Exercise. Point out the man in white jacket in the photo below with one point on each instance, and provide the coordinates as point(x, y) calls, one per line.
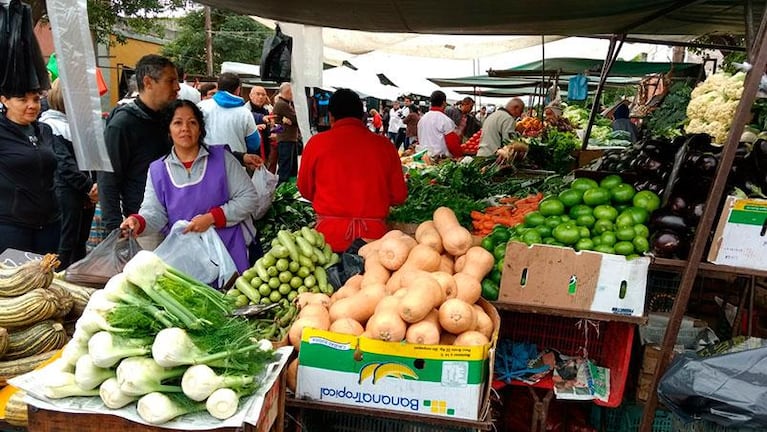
point(228, 120)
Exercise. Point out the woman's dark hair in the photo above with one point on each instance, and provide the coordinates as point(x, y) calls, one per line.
point(345, 103)
point(180, 103)
point(621, 112)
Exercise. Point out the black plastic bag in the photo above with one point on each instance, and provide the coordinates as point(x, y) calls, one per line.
point(348, 266)
point(729, 389)
point(276, 57)
point(22, 68)
point(105, 260)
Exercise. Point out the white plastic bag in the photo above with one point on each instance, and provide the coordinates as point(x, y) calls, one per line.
point(265, 183)
point(200, 255)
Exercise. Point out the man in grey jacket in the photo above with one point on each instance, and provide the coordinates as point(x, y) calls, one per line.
point(499, 126)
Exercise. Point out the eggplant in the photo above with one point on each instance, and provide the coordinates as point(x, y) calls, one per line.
point(678, 205)
point(699, 141)
point(650, 165)
point(665, 220)
point(759, 155)
point(668, 244)
point(694, 213)
point(706, 165)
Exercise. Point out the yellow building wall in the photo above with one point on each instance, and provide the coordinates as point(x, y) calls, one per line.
point(126, 55)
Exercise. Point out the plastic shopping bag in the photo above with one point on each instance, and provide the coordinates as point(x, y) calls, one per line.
point(265, 182)
point(104, 261)
point(200, 255)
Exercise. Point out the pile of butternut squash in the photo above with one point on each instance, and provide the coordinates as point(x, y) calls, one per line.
point(420, 290)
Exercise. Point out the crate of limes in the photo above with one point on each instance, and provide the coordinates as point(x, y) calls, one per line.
point(609, 217)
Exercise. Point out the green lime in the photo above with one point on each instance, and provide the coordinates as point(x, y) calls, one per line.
point(275, 296)
point(639, 214)
point(584, 244)
point(282, 264)
point(641, 230)
point(597, 240)
point(549, 240)
point(499, 252)
point(256, 282)
point(495, 276)
point(647, 200)
point(580, 210)
point(266, 300)
point(551, 207)
point(602, 225)
point(531, 237)
point(641, 244)
point(302, 289)
point(608, 238)
point(489, 290)
point(310, 281)
point(611, 181)
point(500, 234)
point(296, 282)
point(596, 196)
point(567, 234)
point(292, 295)
point(583, 184)
point(605, 212)
point(584, 232)
point(571, 197)
point(488, 244)
point(303, 272)
point(585, 221)
point(622, 194)
point(273, 283)
point(625, 219)
point(241, 300)
point(564, 218)
point(543, 230)
point(553, 221)
point(533, 219)
point(624, 248)
point(604, 249)
point(625, 233)
point(272, 271)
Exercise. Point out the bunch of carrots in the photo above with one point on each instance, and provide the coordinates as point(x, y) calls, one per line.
point(510, 212)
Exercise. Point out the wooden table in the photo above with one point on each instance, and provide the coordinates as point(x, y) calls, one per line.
point(40, 420)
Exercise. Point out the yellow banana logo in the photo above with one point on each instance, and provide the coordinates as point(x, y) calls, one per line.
point(367, 371)
point(381, 370)
point(395, 370)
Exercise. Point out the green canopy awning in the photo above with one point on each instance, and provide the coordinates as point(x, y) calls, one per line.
point(525, 81)
point(572, 66)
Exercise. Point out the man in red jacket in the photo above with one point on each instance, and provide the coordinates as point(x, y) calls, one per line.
point(351, 175)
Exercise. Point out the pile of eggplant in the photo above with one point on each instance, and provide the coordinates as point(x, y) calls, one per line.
point(674, 224)
point(654, 162)
point(748, 176)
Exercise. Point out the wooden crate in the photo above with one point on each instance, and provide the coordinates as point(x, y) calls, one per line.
point(271, 418)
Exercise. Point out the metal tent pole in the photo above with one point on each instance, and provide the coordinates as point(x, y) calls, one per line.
point(612, 55)
point(690, 271)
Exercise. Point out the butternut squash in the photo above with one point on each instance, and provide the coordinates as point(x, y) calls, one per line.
point(344, 292)
point(478, 263)
point(419, 301)
point(471, 338)
point(423, 332)
point(424, 258)
point(447, 264)
point(294, 334)
point(457, 316)
point(291, 377)
point(373, 246)
point(460, 263)
point(386, 326)
point(455, 239)
point(347, 326)
point(428, 235)
point(358, 307)
point(355, 281)
point(447, 284)
point(390, 303)
point(375, 272)
point(446, 338)
point(469, 288)
point(313, 309)
point(484, 323)
point(394, 252)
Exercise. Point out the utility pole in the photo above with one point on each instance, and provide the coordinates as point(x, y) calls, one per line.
point(208, 42)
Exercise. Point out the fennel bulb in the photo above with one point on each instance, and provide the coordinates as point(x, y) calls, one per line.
point(62, 384)
point(112, 396)
point(159, 408)
point(88, 375)
point(223, 403)
point(174, 347)
point(144, 269)
point(98, 302)
point(138, 376)
point(107, 349)
point(200, 381)
point(72, 352)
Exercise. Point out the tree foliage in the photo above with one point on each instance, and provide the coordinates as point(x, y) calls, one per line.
point(235, 38)
point(105, 16)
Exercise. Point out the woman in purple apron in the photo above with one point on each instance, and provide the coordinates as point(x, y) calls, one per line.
point(205, 185)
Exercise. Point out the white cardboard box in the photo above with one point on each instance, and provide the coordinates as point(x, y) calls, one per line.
point(740, 238)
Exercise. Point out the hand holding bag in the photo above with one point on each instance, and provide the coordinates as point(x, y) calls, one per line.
point(104, 261)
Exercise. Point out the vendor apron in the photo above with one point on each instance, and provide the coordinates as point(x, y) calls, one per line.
point(183, 202)
point(341, 231)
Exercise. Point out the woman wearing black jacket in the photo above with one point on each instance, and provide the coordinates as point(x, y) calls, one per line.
point(75, 189)
point(29, 211)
